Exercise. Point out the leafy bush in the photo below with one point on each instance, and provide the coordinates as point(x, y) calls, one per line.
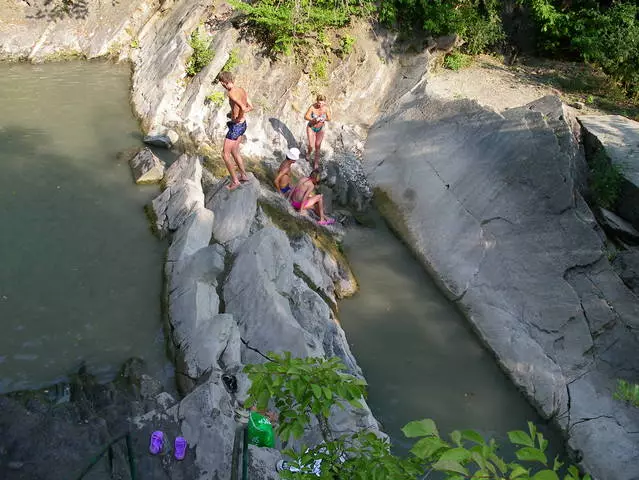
point(287, 25)
point(478, 22)
point(627, 392)
point(457, 60)
point(319, 69)
point(303, 387)
point(201, 55)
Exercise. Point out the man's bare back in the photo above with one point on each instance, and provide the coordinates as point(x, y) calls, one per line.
point(237, 98)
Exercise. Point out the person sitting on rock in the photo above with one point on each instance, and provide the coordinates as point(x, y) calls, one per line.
point(304, 198)
point(283, 179)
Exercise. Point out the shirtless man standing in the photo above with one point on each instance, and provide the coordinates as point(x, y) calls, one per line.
point(304, 198)
point(283, 179)
point(240, 105)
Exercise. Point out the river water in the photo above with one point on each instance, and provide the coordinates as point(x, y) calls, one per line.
point(417, 352)
point(80, 272)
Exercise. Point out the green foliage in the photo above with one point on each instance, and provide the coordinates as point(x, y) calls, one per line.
point(627, 392)
point(201, 55)
point(456, 61)
point(319, 69)
point(233, 61)
point(346, 45)
point(301, 387)
point(478, 22)
point(606, 37)
point(605, 180)
point(215, 98)
point(287, 25)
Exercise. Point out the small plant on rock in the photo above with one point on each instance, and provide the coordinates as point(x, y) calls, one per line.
point(605, 180)
point(233, 61)
point(215, 98)
point(457, 60)
point(201, 55)
point(346, 45)
point(627, 392)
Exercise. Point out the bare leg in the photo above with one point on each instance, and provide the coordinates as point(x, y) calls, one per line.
point(316, 203)
point(235, 151)
point(319, 136)
point(226, 156)
point(310, 135)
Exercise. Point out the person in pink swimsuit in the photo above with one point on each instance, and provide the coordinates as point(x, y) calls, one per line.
point(303, 198)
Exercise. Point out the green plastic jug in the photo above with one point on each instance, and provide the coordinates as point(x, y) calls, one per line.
point(260, 431)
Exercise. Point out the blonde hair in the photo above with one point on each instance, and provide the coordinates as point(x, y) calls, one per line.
point(320, 98)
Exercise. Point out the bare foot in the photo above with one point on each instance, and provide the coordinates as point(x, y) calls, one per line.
point(244, 178)
point(233, 185)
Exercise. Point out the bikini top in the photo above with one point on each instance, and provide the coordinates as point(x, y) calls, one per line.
point(321, 117)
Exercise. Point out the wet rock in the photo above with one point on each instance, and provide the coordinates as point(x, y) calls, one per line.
point(162, 141)
point(146, 167)
point(234, 210)
point(618, 138)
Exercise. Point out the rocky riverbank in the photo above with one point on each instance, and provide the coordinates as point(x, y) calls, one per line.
point(491, 203)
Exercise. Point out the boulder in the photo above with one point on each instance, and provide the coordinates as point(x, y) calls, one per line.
point(206, 419)
point(182, 195)
point(618, 138)
point(193, 235)
point(256, 293)
point(626, 264)
point(210, 341)
point(262, 463)
point(146, 167)
point(234, 210)
point(162, 141)
point(618, 227)
point(490, 203)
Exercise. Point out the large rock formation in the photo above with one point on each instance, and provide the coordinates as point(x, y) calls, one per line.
point(233, 296)
point(489, 203)
point(617, 139)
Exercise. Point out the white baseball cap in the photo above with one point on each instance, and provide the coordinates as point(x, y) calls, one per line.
point(293, 154)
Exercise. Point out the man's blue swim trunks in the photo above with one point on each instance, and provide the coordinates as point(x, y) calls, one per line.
point(236, 130)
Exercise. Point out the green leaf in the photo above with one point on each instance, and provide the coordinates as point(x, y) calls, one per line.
point(557, 464)
point(456, 436)
point(450, 466)
point(521, 438)
point(529, 454)
point(517, 472)
point(456, 454)
point(317, 391)
point(427, 447)
point(327, 393)
point(420, 428)
point(473, 436)
point(545, 475)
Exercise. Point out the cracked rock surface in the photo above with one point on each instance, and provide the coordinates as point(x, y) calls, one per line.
point(490, 202)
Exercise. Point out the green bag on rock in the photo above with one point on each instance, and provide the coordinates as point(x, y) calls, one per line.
point(260, 431)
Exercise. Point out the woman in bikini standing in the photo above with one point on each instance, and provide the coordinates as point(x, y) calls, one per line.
point(316, 115)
